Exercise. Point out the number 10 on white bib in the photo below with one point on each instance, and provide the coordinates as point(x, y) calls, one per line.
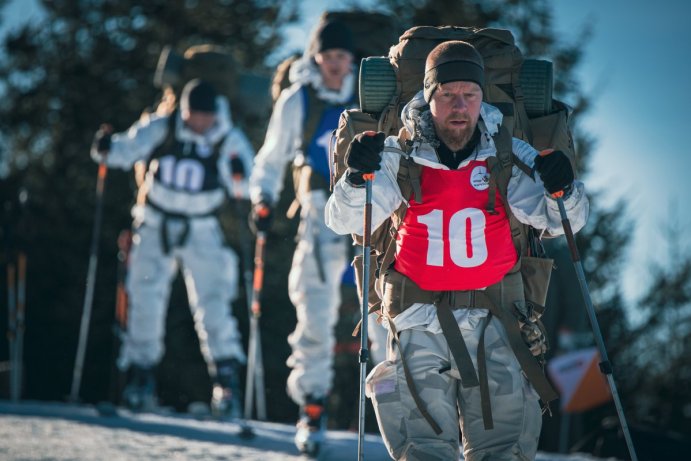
point(463, 253)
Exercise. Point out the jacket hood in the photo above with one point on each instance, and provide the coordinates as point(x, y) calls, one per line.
point(304, 71)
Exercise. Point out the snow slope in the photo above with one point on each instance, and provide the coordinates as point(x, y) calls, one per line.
point(33, 431)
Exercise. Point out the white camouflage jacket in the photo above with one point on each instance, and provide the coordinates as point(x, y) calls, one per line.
point(526, 196)
point(284, 134)
point(142, 138)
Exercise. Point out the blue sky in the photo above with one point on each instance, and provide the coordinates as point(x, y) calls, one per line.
point(638, 68)
point(638, 64)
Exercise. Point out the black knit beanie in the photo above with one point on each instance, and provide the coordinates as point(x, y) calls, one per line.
point(198, 96)
point(450, 62)
point(333, 34)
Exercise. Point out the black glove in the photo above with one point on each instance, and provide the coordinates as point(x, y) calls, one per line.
point(364, 155)
point(555, 171)
point(237, 167)
point(101, 142)
point(261, 217)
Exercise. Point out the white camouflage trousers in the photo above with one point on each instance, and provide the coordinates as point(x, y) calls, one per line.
point(314, 287)
point(210, 271)
point(407, 434)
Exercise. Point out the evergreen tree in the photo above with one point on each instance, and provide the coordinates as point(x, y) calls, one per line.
point(661, 339)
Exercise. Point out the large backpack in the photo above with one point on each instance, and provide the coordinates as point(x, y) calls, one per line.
point(520, 89)
point(212, 63)
point(247, 91)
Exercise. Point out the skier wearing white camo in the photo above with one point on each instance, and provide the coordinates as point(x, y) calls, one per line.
point(323, 78)
point(195, 158)
point(452, 139)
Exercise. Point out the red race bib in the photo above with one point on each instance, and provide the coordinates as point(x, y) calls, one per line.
point(450, 241)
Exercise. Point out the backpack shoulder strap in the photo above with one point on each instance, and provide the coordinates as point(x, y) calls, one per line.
point(169, 141)
point(409, 172)
point(500, 170)
point(408, 179)
point(313, 108)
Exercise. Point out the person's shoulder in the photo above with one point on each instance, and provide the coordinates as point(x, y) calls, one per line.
point(154, 124)
point(290, 94)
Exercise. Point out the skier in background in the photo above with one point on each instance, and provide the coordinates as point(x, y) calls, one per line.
point(192, 154)
point(304, 116)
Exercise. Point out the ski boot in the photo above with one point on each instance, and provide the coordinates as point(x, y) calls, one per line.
point(140, 392)
point(226, 399)
point(311, 427)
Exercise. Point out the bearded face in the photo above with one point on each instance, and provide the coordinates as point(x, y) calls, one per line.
point(455, 108)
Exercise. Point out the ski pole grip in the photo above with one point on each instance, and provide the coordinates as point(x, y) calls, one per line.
point(369, 176)
point(545, 153)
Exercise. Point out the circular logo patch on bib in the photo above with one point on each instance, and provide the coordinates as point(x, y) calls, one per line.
point(479, 178)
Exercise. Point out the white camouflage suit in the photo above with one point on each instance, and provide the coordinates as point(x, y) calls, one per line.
point(185, 190)
point(516, 411)
point(316, 300)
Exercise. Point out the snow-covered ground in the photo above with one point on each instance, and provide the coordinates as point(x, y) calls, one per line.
point(33, 431)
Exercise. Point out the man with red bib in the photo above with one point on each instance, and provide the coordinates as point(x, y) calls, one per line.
point(452, 246)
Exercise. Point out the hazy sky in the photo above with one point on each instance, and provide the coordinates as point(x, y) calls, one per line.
point(638, 68)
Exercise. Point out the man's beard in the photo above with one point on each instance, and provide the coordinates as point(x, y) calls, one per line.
point(455, 139)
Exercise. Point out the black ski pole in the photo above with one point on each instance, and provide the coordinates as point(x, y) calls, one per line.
point(244, 247)
point(363, 355)
point(605, 365)
point(20, 327)
point(90, 283)
point(21, 304)
point(12, 325)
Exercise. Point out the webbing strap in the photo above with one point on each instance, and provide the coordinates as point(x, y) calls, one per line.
point(313, 108)
point(460, 353)
point(493, 165)
point(165, 237)
point(454, 338)
point(500, 169)
point(526, 360)
point(411, 384)
point(414, 173)
point(370, 310)
point(485, 401)
point(166, 216)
